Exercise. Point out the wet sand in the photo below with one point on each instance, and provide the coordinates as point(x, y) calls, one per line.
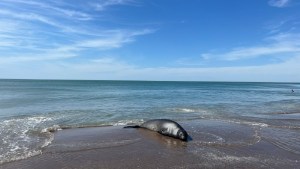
point(214, 144)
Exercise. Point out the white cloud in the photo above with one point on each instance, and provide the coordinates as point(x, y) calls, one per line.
point(30, 28)
point(113, 39)
point(102, 5)
point(11, 36)
point(279, 3)
point(113, 69)
point(284, 44)
point(36, 57)
point(52, 9)
point(278, 26)
point(63, 18)
point(30, 17)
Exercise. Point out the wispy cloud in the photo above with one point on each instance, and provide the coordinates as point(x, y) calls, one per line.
point(103, 4)
point(14, 34)
point(279, 3)
point(29, 17)
point(114, 39)
point(52, 30)
point(287, 24)
point(283, 44)
point(52, 9)
point(36, 57)
point(114, 69)
point(34, 19)
point(110, 40)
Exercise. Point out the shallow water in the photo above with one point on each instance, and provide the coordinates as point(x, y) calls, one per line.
point(29, 109)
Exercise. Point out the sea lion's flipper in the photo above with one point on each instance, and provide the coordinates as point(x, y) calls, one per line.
point(136, 126)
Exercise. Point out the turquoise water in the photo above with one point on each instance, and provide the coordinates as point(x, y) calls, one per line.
point(29, 109)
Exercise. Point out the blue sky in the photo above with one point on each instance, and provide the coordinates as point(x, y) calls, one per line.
point(197, 40)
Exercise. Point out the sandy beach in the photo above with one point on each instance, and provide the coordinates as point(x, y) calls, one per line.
point(214, 144)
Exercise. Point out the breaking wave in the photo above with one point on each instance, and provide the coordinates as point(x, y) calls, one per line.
point(23, 137)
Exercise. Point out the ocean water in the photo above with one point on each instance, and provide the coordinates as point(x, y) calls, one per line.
point(31, 109)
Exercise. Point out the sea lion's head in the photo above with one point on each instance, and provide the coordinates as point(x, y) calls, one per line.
point(182, 134)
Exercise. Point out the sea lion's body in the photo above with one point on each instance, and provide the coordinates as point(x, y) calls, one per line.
point(165, 127)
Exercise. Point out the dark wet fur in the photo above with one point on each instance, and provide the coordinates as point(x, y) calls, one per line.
point(136, 126)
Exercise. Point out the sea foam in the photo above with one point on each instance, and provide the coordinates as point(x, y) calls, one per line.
point(22, 138)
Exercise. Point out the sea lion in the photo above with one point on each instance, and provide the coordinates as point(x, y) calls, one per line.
point(165, 127)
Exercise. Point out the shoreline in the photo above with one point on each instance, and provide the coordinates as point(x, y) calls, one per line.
point(214, 144)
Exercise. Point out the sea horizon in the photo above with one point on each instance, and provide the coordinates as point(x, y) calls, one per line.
point(138, 80)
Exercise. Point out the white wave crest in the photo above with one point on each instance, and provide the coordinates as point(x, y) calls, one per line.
point(51, 129)
point(20, 138)
point(25, 155)
point(127, 122)
point(187, 110)
point(249, 123)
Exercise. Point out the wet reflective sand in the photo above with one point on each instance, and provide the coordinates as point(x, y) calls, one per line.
point(213, 144)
